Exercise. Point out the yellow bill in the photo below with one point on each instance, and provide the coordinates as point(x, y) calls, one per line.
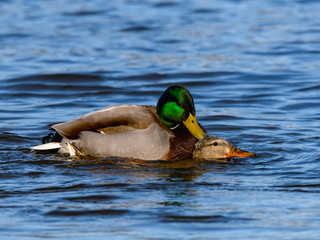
point(193, 126)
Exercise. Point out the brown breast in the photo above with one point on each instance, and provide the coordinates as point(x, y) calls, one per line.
point(182, 144)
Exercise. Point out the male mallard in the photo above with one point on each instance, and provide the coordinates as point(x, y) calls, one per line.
point(169, 131)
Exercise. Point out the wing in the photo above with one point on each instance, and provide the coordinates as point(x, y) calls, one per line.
point(115, 118)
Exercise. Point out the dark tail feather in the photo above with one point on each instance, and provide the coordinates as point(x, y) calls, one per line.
point(52, 137)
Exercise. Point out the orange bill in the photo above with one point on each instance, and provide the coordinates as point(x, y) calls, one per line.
point(236, 152)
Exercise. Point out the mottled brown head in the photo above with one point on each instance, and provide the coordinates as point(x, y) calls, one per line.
point(212, 148)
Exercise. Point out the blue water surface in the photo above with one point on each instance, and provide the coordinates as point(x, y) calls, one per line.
point(253, 69)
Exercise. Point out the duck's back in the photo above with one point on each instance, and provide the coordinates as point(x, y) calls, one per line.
point(115, 119)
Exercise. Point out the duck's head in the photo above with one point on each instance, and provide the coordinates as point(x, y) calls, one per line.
point(212, 148)
point(176, 106)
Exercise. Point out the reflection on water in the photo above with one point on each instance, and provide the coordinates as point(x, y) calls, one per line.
point(253, 70)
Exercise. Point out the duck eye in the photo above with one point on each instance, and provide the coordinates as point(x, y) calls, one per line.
point(215, 144)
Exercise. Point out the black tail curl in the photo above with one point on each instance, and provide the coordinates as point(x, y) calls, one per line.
point(52, 137)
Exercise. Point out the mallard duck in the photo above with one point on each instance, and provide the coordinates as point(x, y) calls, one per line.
point(169, 131)
point(213, 148)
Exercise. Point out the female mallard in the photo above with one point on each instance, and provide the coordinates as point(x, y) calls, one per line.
point(212, 148)
point(169, 131)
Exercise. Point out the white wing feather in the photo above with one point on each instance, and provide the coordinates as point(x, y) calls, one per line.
point(47, 146)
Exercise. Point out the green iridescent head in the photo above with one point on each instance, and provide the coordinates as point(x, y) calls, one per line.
point(176, 106)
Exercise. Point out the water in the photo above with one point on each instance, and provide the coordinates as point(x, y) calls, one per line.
point(253, 69)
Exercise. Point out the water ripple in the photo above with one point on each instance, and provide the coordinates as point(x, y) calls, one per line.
point(253, 70)
point(73, 213)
